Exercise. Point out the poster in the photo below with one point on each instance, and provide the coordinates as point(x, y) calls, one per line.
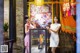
point(38, 41)
point(41, 15)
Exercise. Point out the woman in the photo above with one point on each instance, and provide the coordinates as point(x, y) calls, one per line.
point(28, 26)
point(54, 38)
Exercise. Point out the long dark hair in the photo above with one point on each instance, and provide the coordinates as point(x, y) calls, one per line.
point(57, 18)
point(25, 19)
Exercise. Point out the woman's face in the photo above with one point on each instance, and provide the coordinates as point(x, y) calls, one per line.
point(28, 21)
point(55, 20)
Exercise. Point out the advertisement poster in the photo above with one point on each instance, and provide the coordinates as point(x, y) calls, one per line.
point(38, 41)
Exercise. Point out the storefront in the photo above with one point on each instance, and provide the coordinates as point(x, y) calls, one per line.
point(43, 12)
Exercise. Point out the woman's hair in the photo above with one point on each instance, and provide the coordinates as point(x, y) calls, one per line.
point(27, 20)
point(56, 18)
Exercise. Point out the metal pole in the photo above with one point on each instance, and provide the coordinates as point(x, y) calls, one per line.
point(12, 24)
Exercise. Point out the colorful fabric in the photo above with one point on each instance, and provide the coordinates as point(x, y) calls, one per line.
point(67, 21)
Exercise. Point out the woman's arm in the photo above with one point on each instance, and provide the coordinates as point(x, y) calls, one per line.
point(32, 26)
point(53, 30)
point(26, 29)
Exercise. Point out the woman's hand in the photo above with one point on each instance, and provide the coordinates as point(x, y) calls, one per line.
point(50, 29)
point(47, 27)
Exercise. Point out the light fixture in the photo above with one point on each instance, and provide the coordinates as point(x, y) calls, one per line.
point(39, 2)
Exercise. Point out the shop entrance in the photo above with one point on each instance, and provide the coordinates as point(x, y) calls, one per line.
point(63, 10)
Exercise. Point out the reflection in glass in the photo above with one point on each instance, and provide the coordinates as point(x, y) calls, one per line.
point(38, 41)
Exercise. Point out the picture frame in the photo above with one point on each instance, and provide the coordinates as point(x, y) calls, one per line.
point(38, 40)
